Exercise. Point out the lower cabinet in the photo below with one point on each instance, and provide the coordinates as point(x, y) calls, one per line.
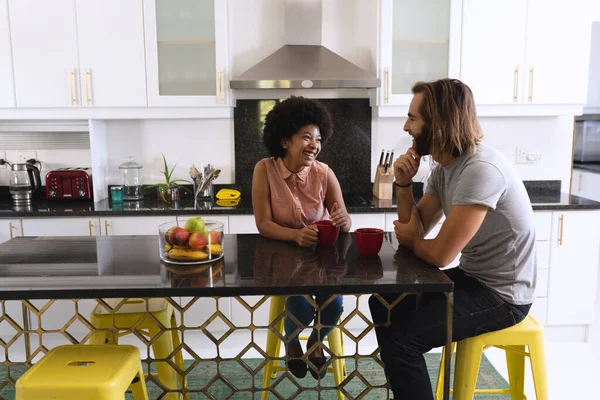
point(242, 224)
point(133, 225)
point(586, 184)
point(70, 226)
point(10, 228)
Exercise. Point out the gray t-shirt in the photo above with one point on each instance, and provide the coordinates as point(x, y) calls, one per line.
point(501, 255)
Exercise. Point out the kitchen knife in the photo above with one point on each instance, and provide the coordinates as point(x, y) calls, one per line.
point(381, 158)
point(387, 157)
point(391, 162)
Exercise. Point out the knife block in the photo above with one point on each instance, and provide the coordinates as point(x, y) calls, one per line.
point(383, 185)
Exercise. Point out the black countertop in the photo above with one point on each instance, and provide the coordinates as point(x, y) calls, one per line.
point(544, 195)
point(592, 167)
point(129, 266)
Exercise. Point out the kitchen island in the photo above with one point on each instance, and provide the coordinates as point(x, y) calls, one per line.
point(85, 271)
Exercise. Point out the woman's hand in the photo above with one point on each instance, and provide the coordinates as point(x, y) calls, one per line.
point(307, 236)
point(339, 217)
point(406, 166)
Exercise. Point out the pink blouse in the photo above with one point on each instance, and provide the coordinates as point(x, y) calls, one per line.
point(297, 200)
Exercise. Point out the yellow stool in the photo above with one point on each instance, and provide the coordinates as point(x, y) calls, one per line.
point(513, 341)
point(74, 372)
point(334, 340)
point(132, 315)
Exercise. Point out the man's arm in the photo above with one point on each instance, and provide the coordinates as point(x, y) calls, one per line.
point(461, 224)
point(430, 208)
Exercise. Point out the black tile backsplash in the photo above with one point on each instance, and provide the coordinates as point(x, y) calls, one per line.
point(348, 151)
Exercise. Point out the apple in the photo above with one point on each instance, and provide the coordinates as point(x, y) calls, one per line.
point(179, 236)
point(197, 241)
point(194, 224)
point(212, 237)
point(168, 234)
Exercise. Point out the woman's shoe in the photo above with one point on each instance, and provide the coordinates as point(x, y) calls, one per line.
point(297, 367)
point(318, 368)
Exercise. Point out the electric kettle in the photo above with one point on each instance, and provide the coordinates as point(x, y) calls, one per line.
point(24, 180)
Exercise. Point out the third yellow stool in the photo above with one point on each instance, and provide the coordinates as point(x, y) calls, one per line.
point(514, 340)
point(334, 340)
point(134, 314)
point(76, 372)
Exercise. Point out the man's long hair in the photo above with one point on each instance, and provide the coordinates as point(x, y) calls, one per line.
point(448, 109)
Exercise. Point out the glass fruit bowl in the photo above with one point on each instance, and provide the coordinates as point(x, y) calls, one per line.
point(190, 241)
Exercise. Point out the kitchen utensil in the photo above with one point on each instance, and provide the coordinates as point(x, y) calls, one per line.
point(328, 234)
point(381, 158)
point(211, 177)
point(131, 180)
point(390, 162)
point(368, 240)
point(224, 194)
point(24, 181)
point(387, 157)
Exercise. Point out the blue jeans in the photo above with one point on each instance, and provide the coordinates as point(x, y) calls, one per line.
point(305, 313)
point(416, 330)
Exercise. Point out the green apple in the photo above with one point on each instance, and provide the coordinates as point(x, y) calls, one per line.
point(194, 224)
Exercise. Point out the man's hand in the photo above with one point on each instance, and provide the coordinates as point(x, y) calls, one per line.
point(307, 236)
point(407, 233)
point(406, 166)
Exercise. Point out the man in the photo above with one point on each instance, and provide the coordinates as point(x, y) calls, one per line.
point(488, 218)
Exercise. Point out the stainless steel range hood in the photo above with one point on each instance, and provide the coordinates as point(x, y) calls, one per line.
point(303, 63)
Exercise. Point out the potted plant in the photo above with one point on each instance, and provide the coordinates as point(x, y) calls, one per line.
point(168, 191)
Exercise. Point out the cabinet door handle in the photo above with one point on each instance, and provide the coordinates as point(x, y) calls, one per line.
point(71, 84)
point(531, 84)
point(561, 220)
point(88, 97)
point(106, 225)
point(516, 94)
point(387, 85)
point(219, 87)
point(91, 226)
point(10, 228)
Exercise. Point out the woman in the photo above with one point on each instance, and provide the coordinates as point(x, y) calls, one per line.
point(290, 191)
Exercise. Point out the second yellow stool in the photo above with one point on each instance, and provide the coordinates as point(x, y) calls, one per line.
point(514, 340)
point(334, 340)
point(134, 314)
point(75, 372)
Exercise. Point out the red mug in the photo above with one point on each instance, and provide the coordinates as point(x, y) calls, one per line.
point(328, 234)
point(368, 240)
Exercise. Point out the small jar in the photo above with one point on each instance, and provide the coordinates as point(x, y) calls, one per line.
point(116, 194)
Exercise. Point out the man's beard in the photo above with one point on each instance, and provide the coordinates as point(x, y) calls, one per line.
point(422, 142)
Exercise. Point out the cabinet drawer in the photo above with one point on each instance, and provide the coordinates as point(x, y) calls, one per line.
point(543, 224)
point(242, 224)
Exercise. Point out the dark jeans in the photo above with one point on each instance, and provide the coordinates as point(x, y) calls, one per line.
point(417, 328)
point(305, 313)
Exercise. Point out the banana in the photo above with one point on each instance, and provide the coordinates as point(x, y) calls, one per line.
point(187, 255)
point(214, 249)
point(168, 247)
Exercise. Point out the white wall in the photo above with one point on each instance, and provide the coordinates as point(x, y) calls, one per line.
point(184, 142)
point(552, 136)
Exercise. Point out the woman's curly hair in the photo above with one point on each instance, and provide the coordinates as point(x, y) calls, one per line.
point(287, 117)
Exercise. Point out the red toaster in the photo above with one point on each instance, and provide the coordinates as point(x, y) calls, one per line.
point(69, 183)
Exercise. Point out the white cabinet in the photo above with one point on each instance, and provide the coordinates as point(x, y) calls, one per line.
point(9, 229)
point(586, 184)
point(74, 226)
point(592, 105)
point(420, 41)
point(367, 220)
point(242, 224)
point(111, 53)
point(78, 52)
point(7, 87)
point(530, 63)
point(186, 52)
point(574, 255)
point(133, 225)
point(44, 45)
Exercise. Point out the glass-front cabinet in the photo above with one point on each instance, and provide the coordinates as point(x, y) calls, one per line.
point(186, 52)
point(420, 41)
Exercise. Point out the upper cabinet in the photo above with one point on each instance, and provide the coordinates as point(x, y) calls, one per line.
point(71, 53)
point(528, 52)
point(420, 41)
point(186, 52)
point(7, 87)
